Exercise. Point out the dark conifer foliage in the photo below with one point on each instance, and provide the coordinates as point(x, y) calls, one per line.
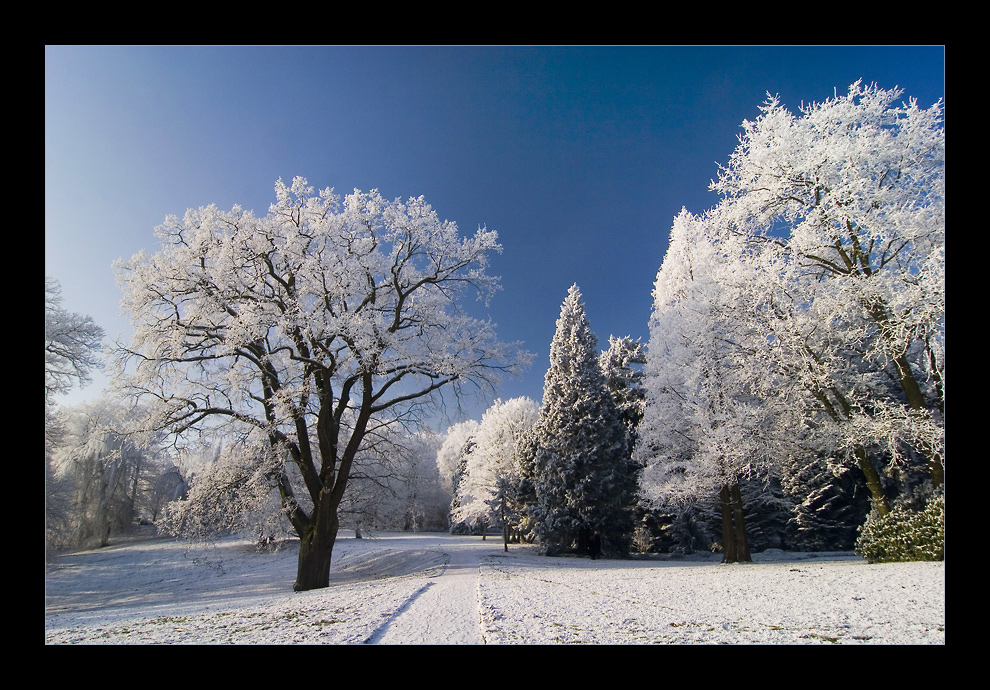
point(584, 479)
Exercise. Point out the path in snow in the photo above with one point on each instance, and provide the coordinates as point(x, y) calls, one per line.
point(445, 609)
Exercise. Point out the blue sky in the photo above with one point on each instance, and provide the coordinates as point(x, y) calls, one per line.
point(580, 157)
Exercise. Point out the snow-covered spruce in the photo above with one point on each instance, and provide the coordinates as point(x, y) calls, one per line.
point(584, 478)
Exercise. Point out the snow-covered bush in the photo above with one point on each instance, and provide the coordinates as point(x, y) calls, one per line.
point(904, 534)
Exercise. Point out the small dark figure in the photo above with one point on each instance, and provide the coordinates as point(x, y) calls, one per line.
point(595, 545)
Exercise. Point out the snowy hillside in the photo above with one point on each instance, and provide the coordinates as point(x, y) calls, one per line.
point(434, 588)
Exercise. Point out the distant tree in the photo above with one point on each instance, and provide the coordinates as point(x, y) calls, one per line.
point(585, 482)
point(169, 486)
point(396, 485)
point(494, 467)
point(318, 326)
point(72, 345)
point(452, 462)
point(107, 473)
point(236, 492)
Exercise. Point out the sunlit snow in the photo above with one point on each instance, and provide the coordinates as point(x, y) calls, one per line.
point(436, 588)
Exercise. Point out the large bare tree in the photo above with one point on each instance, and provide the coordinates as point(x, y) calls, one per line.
point(315, 326)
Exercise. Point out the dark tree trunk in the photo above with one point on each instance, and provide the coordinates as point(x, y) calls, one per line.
point(735, 547)
point(584, 540)
point(318, 534)
point(729, 554)
point(316, 548)
point(912, 391)
point(742, 544)
point(873, 482)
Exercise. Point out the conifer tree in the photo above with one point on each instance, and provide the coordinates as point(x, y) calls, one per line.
point(621, 364)
point(830, 503)
point(585, 482)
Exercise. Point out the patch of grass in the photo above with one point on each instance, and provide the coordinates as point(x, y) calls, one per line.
point(170, 620)
point(827, 638)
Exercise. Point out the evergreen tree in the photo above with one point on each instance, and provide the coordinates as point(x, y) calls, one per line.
point(768, 510)
point(621, 365)
point(691, 529)
point(830, 504)
point(585, 481)
point(523, 489)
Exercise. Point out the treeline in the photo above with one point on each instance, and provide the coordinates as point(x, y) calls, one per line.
point(793, 391)
point(102, 481)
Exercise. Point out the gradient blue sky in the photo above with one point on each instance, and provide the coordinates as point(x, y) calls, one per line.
point(580, 157)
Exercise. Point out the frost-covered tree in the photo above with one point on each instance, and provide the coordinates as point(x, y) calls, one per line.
point(846, 203)
point(826, 254)
point(320, 323)
point(452, 459)
point(234, 492)
point(168, 486)
point(585, 482)
point(396, 485)
point(72, 345)
point(524, 486)
point(105, 475)
point(714, 409)
point(487, 491)
point(622, 365)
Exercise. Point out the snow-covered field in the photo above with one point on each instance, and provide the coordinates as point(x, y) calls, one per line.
point(430, 588)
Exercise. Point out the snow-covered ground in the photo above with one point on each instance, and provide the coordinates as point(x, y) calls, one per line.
point(429, 588)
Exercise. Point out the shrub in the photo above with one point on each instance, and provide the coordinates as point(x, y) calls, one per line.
point(904, 534)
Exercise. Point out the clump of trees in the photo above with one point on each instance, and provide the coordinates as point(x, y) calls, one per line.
point(560, 473)
point(794, 378)
point(803, 317)
point(99, 480)
point(397, 486)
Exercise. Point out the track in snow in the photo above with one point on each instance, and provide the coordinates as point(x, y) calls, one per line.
point(445, 609)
